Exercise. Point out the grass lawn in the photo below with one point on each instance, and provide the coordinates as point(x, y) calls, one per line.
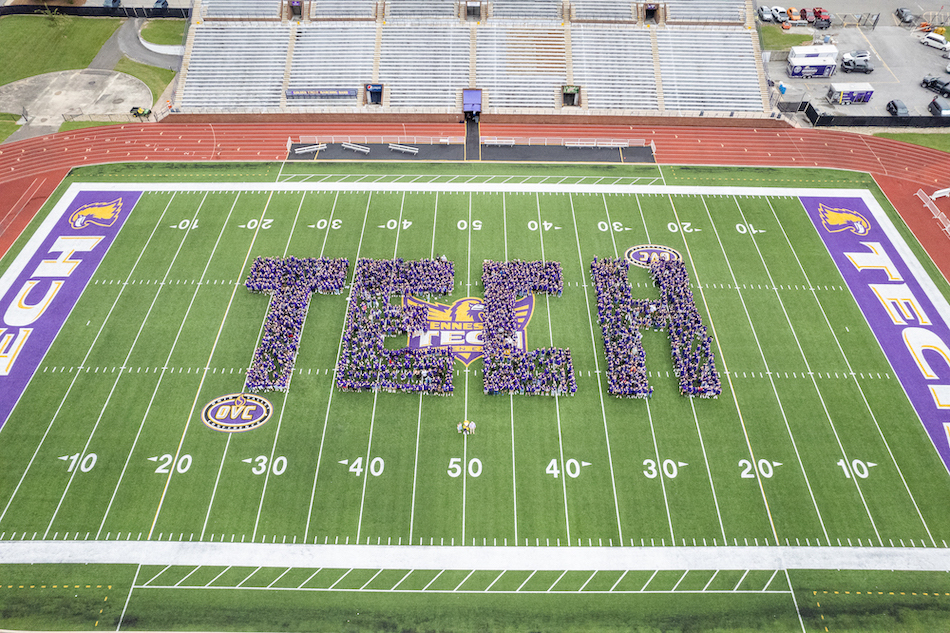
point(33, 44)
point(165, 32)
point(773, 38)
point(935, 141)
point(68, 126)
point(155, 78)
point(8, 124)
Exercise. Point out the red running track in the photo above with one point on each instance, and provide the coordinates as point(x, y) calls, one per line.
point(31, 169)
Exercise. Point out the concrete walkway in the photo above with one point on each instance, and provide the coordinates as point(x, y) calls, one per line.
point(96, 90)
point(490, 558)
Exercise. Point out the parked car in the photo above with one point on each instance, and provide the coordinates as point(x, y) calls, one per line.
point(897, 108)
point(934, 84)
point(808, 15)
point(793, 14)
point(856, 55)
point(822, 23)
point(904, 15)
point(821, 14)
point(857, 66)
point(935, 40)
point(779, 14)
point(765, 14)
point(939, 107)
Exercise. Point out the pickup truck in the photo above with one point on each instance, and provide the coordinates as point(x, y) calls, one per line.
point(934, 84)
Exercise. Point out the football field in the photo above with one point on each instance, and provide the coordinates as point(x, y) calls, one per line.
point(820, 438)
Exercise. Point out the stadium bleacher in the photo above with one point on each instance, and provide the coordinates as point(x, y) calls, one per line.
point(615, 67)
point(521, 66)
point(425, 66)
point(332, 55)
point(424, 53)
point(708, 70)
point(236, 65)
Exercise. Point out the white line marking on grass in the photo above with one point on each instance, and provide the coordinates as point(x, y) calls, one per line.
point(497, 578)
point(768, 369)
point(102, 326)
point(600, 389)
point(371, 579)
point(526, 580)
point(118, 626)
point(586, 582)
point(283, 406)
point(366, 474)
point(706, 586)
point(649, 580)
point(214, 346)
point(125, 362)
point(463, 580)
point(161, 377)
point(187, 576)
point(279, 577)
point(511, 397)
point(214, 490)
point(557, 404)
point(248, 577)
point(408, 573)
point(435, 219)
point(679, 581)
point(402, 204)
point(556, 581)
point(795, 601)
point(740, 580)
point(309, 578)
point(339, 350)
point(656, 448)
point(156, 575)
point(340, 578)
point(433, 579)
point(712, 486)
point(415, 469)
point(801, 351)
point(218, 576)
point(771, 578)
point(852, 374)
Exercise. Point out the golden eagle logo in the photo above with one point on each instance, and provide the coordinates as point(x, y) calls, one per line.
point(459, 326)
point(98, 213)
point(837, 220)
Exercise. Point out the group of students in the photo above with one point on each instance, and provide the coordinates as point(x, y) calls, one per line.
point(290, 281)
point(365, 363)
point(509, 369)
point(622, 318)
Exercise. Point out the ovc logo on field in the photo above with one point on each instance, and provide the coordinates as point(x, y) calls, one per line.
point(236, 412)
point(98, 213)
point(645, 255)
point(459, 326)
point(837, 220)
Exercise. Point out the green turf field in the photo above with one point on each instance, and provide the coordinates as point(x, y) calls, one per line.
point(813, 441)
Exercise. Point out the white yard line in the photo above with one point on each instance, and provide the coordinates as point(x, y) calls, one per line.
point(854, 377)
point(128, 598)
point(765, 362)
point(214, 490)
point(168, 358)
point(92, 345)
point(366, 473)
point(123, 367)
point(339, 350)
point(214, 346)
point(656, 447)
point(415, 469)
point(814, 381)
point(269, 466)
point(600, 387)
point(791, 590)
point(728, 374)
point(557, 403)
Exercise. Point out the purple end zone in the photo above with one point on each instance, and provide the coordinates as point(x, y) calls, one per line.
point(908, 317)
point(41, 288)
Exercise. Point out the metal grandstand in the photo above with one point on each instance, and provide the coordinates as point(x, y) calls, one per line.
point(674, 58)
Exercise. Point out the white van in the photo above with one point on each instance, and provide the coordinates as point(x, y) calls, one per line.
point(935, 40)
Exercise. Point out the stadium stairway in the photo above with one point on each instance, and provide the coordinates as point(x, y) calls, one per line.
point(654, 43)
point(288, 65)
point(185, 60)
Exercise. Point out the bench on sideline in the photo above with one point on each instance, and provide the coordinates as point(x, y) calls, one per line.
point(362, 149)
point(319, 147)
point(405, 149)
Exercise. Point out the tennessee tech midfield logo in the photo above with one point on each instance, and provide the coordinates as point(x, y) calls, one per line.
point(459, 326)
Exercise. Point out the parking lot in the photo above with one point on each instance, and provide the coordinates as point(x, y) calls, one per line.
point(900, 62)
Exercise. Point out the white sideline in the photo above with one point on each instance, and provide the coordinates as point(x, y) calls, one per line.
point(468, 558)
